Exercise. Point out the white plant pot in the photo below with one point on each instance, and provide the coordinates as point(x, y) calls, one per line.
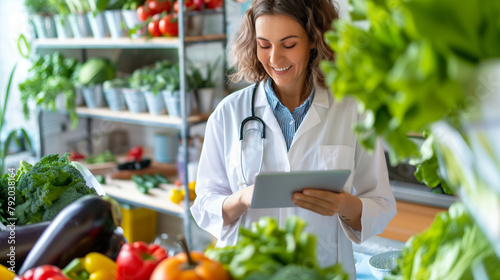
point(62, 27)
point(94, 97)
point(205, 100)
point(98, 25)
point(135, 100)
point(132, 21)
point(173, 102)
point(114, 21)
point(44, 26)
point(155, 103)
point(115, 99)
point(79, 26)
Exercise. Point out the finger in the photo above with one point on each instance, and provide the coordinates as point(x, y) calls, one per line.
point(314, 207)
point(321, 194)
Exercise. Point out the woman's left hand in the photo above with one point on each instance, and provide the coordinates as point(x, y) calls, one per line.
point(328, 203)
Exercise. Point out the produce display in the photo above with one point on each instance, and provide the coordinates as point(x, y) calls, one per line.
point(86, 225)
point(449, 249)
point(42, 190)
point(268, 252)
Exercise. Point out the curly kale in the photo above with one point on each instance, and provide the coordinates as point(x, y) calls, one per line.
point(48, 186)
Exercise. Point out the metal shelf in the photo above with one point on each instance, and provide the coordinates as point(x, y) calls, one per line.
point(125, 43)
point(138, 118)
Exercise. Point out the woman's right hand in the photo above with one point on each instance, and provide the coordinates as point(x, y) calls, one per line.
point(236, 204)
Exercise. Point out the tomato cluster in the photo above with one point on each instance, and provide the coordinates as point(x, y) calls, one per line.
point(159, 19)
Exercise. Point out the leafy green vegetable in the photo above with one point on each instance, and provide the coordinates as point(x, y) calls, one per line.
point(96, 70)
point(265, 251)
point(43, 189)
point(449, 249)
point(408, 74)
point(49, 76)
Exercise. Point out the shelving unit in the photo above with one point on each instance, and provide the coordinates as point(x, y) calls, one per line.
point(159, 200)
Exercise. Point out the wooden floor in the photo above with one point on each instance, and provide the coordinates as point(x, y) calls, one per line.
point(411, 219)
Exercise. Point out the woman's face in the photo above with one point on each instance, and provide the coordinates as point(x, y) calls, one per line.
point(283, 48)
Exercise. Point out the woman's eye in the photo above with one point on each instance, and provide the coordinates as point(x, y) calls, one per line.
point(264, 47)
point(289, 47)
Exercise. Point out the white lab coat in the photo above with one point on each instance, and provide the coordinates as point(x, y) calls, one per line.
point(324, 140)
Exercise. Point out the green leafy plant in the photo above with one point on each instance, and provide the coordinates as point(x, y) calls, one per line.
point(406, 73)
point(49, 76)
point(197, 79)
point(39, 7)
point(12, 134)
point(132, 4)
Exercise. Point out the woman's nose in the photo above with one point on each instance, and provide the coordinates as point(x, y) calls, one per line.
point(275, 56)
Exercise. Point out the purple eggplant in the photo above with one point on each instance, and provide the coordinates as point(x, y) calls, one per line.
point(15, 246)
point(84, 226)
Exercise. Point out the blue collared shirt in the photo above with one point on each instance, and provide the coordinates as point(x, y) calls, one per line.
point(289, 122)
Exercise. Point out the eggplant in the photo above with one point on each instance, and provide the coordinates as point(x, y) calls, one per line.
point(24, 239)
point(115, 243)
point(83, 226)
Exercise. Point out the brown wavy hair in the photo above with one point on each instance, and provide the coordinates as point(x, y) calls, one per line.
point(315, 16)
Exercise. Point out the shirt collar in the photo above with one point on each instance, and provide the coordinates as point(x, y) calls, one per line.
point(274, 101)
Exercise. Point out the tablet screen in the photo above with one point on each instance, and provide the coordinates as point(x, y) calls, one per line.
point(275, 190)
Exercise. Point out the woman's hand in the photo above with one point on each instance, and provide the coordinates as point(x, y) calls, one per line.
point(236, 204)
point(328, 203)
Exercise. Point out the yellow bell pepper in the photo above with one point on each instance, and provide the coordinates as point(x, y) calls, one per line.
point(6, 274)
point(94, 266)
point(176, 195)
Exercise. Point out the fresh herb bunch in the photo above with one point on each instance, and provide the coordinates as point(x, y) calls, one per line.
point(49, 76)
point(406, 73)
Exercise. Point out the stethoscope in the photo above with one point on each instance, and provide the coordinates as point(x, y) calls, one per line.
point(262, 131)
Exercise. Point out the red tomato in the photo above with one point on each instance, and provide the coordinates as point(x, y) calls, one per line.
point(158, 6)
point(169, 26)
point(188, 4)
point(153, 28)
point(143, 12)
point(213, 4)
point(198, 5)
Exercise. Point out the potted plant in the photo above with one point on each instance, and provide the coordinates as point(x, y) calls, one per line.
point(78, 21)
point(113, 92)
point(156, 81)
point(61, 19)
point(134, 96)
point(42, 17)
point(91, 75)
point(130, 17)
point(204, 85)
point(13, 133)
point(49, 85)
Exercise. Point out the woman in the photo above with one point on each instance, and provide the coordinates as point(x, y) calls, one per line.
point(279, 46)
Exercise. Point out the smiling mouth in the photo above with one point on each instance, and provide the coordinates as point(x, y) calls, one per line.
point(282, 69)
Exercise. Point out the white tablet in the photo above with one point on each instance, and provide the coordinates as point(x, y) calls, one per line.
point(275, 190)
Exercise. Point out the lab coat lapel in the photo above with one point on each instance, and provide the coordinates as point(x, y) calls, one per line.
point(313, 116)
point(268, 115)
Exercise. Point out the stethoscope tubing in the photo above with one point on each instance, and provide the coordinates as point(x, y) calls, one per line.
point(252, 117)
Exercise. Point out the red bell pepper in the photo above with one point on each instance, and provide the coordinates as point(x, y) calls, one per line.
point(136, 261)
point(44, 272)
point(135, 153)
